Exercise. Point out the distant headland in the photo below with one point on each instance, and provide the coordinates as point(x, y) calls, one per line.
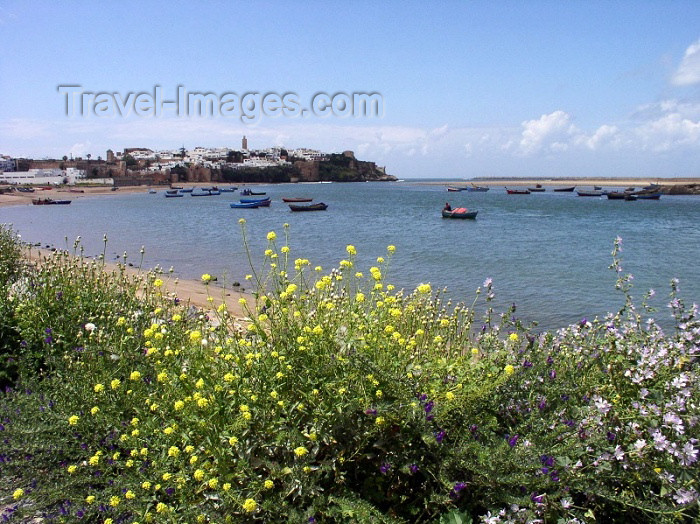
point(143, 166)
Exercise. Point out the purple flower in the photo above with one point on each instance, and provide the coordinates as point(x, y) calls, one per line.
point(384, 468)
point(459, 486)
point(311, 519)
point(370, 412)
point(542, 404)
point(512, 441)
point(48, 340)
point(429, 406)
point(537, 499)
point(440, 435)
point(413, 468)
point(611, 436)
point(547, 460)
point(48, 331)
point(552, 374)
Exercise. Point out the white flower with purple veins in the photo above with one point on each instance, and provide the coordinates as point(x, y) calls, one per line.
point(672, 420)
point(660, 441)
point(619, 454)
point(685, 496)
point(688, 455)
point(601, 404)
point(640, 444)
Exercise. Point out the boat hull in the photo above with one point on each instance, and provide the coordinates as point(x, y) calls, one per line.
point(458, 214)
point(311, 207)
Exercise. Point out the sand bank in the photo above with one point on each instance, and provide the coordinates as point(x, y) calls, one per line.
point(193, 292)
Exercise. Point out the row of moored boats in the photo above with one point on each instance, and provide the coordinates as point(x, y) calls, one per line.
point(252, 200)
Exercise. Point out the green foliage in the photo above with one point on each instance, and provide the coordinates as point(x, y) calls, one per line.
point(342, 400)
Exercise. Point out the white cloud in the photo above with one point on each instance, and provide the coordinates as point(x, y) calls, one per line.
point(669, 132)
point(550, 128)
point(604, 135)
point(688, 72)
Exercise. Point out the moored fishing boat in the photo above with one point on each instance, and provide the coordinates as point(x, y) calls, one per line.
point(594, 193)
point(564, 189)
point(460, 212)
point(537, 189)
point(168, 194)
point(49, 202)
point(250, 192)
point(296, 199)
point(244, 205)
point(454, 189)
point(648, 196)
point(518, 191)
point(481, 189)
point(320, 206)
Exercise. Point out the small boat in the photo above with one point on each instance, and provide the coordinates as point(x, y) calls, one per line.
point(454, 189)
point(227, 189)
point(537, 189)
point(152, 191)
point(320, 206)
point(188, 190)
point(173, 195)
point(249, 200)
point(597, 188)
point(565, 189)
point(616, 195)
point(481, 189)
point(49, 202)
point(648, 196)
point(175, 187)
point(460, 212)
point(26, 189)
point(206, 192)
point(250, 192)
point(518, 191)
point(594, 193)
point(297, 199)
point(245, 205)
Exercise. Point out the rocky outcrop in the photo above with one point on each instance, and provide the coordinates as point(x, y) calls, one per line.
point(680, 189)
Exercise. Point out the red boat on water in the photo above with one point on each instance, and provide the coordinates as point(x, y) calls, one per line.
point(518, 191)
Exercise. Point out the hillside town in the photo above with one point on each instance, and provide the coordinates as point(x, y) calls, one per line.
point(144, 166)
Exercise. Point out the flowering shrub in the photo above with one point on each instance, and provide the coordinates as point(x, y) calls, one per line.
point(343, 400)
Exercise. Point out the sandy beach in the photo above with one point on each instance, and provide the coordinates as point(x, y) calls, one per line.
point(193, 292)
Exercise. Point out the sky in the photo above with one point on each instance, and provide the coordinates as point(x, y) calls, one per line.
point(462, 89)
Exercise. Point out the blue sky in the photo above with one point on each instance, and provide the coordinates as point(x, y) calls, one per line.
point(468, 88)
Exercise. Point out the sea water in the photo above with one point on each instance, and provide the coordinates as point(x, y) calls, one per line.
point(548, 253)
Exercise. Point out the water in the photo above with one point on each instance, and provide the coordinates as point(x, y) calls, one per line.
point(548, 253)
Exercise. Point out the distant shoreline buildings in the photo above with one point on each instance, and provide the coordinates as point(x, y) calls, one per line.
point(142, 165)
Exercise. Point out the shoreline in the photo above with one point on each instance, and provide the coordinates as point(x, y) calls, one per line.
point(188, 291)
point(19, 198)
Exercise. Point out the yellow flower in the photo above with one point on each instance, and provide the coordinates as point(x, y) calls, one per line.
point(176, 317)
point(90, 499)
point(241, 221)
point(300, 451)
point(173, 451)
point(72, 469)
point(121, 321)
point(271, 236)
point(475, 351)
point(233, 441)
point(73, 420)
point(379, 421)
point(115, 383)
point(424, 289)
point(114, 501)
point(179, 404)
point(134, 421)
point(391, 248)
point(146, 485)
point(108, 521)
point(513, 337)
point(195, 335)
point(206, 277)
point(161, 508)
point(135, 375)
point(379, 393)
point(99, 388)
point(250, 505)
point(351, 250)
point(213, 483)
point(509, 369)
point(129, 495)
point(269, 484)
point(199, 474)
point(449, 395)
point(158, 282)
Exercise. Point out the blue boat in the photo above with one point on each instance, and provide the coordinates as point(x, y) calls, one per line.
point(244, 205)
point(250, 200)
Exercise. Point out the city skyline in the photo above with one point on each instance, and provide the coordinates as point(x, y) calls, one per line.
point(465, 90)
